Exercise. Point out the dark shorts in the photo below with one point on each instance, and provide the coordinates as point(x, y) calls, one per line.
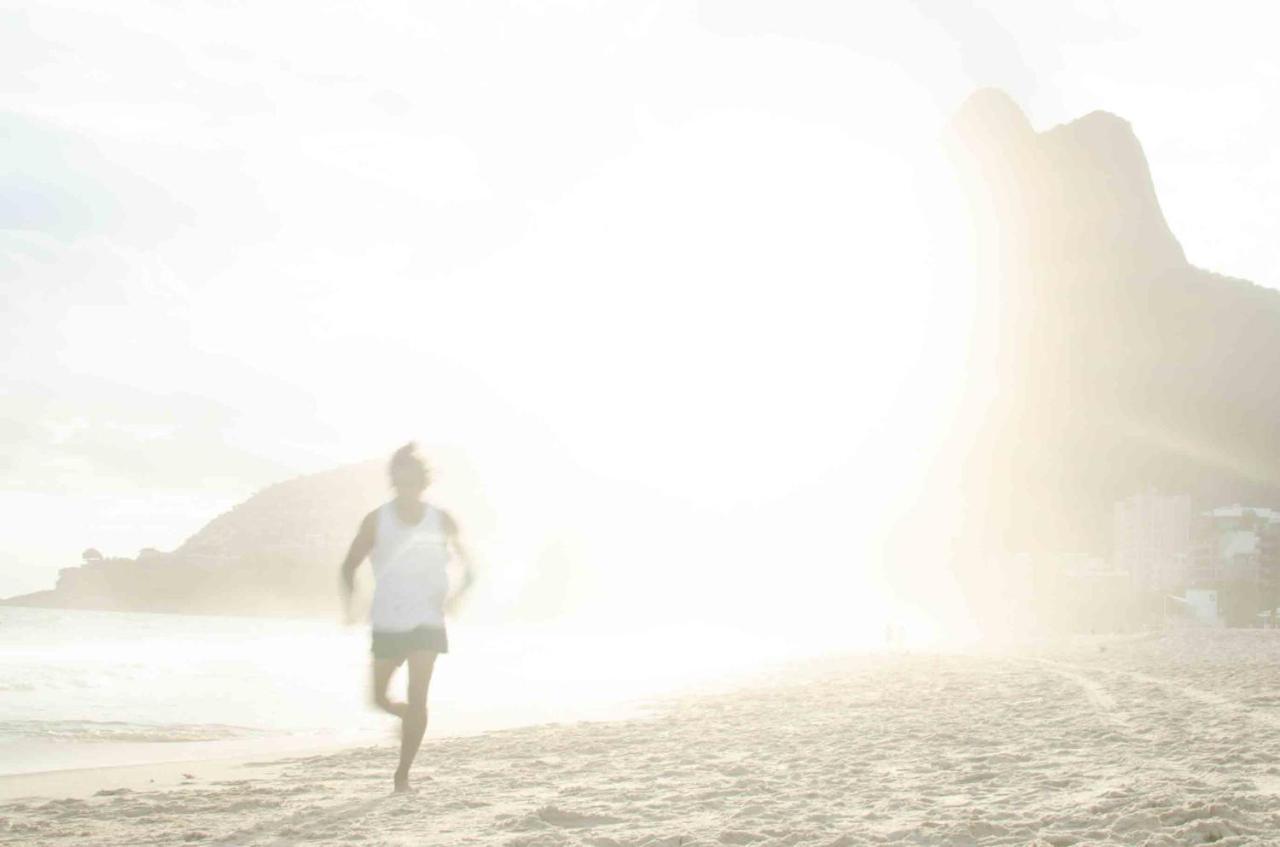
point(397, 645)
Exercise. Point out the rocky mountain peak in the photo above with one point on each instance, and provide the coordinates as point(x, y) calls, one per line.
point(1078, 196)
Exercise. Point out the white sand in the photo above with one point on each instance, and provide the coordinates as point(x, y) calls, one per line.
point(1163, 740)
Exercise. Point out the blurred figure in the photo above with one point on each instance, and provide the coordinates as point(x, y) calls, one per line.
point(410, 544)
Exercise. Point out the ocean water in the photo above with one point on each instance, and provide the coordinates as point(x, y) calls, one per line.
point(91, 689)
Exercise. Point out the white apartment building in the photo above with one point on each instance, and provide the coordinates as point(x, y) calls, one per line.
point(1152, 539)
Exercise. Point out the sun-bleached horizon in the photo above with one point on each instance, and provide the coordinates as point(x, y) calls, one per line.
point(269, 247)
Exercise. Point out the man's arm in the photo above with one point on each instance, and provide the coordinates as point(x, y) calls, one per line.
point(463, 555)
point(361, 546)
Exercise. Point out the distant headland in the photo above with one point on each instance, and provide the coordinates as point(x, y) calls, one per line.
point(276, 553)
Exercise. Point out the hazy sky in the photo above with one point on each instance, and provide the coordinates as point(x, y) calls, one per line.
point(688, 260)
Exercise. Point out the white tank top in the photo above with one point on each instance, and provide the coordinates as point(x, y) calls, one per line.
point(410, 571)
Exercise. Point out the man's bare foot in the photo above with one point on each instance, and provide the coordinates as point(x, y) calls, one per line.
point(402, 784)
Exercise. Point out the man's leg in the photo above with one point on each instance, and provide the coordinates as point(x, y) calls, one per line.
point(414, 725)
point(382, 671)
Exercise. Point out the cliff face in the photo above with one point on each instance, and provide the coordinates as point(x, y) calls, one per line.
point(1078, 198)
point(276, 553)
point(1116, 364)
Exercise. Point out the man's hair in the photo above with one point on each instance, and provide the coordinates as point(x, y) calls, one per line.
point(407, 456)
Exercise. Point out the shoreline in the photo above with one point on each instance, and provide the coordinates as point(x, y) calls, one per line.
point(220, 764)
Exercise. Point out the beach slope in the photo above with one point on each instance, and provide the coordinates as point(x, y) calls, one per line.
point(1159, 740)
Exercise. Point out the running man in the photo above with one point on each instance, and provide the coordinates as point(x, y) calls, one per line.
point(409, 542)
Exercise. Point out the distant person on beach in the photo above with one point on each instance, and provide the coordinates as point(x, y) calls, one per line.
point(410, 544)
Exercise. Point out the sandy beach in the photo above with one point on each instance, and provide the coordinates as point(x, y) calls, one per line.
point(1158, 740)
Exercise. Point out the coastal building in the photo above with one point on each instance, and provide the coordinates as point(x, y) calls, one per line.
point(1202, 569)
point(1152, 540)
point(1269, 568)
point(1202, 606)
point(1236, 544)
point(1236, 553)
